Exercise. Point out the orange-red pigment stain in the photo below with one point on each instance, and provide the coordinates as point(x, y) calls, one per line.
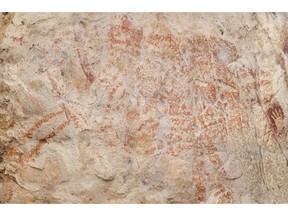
point(200, 60)
point(85, 67)
point(42, 121)
point(214, 99)
point(12, 152)
point(43, 141)
point(125, 36)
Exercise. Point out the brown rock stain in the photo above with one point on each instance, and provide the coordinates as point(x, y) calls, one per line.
point(285, 45)
point(5, 21)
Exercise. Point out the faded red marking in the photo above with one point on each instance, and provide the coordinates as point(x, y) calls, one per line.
point(224, 46)
point(46, 118)
point(84, 63)
point(265, 82)
point(165, 45)
point(199, 183)
point(43, 141)
point(125, 36)
point(209, 92)
point(54, 85)
point(13, 152)
point(197, 49)
point(225, 195)
point(182, 113)
point(18, 39)
point(267, 99)
point(205, 55)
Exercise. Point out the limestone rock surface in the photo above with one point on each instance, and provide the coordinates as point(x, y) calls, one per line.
point(143, 108)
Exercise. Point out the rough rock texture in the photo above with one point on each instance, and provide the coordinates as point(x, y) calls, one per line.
point(143, 108)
